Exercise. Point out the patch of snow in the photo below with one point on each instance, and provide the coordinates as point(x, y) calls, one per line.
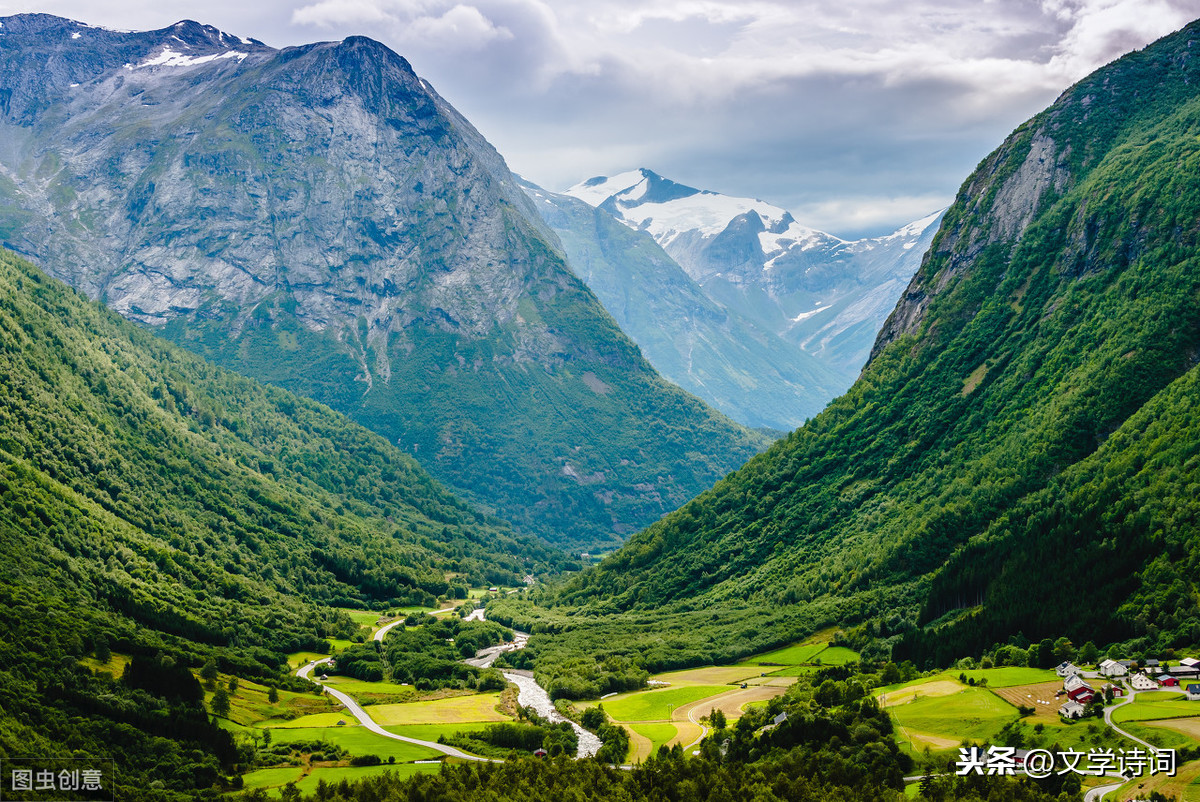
point(706, 213)
point(594, 193)
point(914, 229)
point(709, 214)
point(807, 315)
point(170, 58)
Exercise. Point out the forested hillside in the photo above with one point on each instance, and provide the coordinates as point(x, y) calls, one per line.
point(152, 503)
point(320, 218)
point(1023, 452)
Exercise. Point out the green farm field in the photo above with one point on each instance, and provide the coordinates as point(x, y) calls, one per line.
point(452, 710)
point(249, 704)
point(972, 713)
point(319, 720)
point(431, 732)
point(300, 659)
point(363, 691)
point(307, 779)
point(364, 618)
point(1009, 676)
point(1167, 733)
point(358, 741)
point(658, 705)
point(1153, 705)
point(657, 733)
point(793, 655)
point(804, 654)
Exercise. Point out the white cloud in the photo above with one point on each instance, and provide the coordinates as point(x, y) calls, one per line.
point(340, 12)
point(461, 27)
point(869, 213)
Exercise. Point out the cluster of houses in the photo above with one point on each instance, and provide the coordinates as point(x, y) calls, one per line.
point(1152, 676)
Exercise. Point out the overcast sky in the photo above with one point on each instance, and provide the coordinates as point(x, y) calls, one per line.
point(857, 115)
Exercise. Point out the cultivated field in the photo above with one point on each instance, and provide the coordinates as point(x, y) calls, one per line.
point(307, 778)
point(1185, 726)
point(711, 675)
point(1039, 696)
point(431, 732)
point(453, 710)
point(658, 733)
point(658, 705)
point(1156, 705)
point(940, 713)
point(357, 740)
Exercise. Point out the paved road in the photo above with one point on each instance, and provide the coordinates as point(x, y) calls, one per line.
point(1108, 711)
point(703, 729)
point(1097, 793)
point(399, 622)
point(370, 723)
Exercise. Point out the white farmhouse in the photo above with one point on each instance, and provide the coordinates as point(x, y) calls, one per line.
point(1111, 668)
point(1071, 710)
point(1141, 682)
point(1074, 681)
point(1065, 668)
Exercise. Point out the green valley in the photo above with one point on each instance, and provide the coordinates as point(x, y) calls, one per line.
point(1031, 399)
point(159, 514)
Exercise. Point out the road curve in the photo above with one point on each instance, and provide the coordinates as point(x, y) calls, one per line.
point(384, 630)
point(703, 729)
point(368, 722)
point(1108, 711)
point(1097, 793)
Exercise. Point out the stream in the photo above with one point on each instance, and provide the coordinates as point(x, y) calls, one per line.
point(529, 693)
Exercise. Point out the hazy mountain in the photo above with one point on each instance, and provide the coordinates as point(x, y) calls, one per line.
point(318, 217)
point(743, 369)
point(824, 294)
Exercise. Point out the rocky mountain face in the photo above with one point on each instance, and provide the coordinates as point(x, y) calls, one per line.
point(1021, 454)
point(318, 217)
point(741, 368)
point(824, 295)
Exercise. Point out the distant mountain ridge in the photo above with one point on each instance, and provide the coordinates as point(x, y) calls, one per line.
point(823, 296)
point(742, 369)
point(319, 218)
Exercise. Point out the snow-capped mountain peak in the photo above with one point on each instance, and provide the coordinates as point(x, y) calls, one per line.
point(826, 294)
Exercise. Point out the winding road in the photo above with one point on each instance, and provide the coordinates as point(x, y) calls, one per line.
point(1108, 711)
point(370, 723)
point(530, 694)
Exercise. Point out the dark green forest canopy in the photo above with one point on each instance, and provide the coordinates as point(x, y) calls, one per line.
point(1021, 454)
point(176, 512)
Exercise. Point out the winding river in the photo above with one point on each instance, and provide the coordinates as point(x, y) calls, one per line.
point(529, 694)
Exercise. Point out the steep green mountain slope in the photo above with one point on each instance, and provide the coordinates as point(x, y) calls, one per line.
point(153, 502)
point(1021, 454)
point(319, 218)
